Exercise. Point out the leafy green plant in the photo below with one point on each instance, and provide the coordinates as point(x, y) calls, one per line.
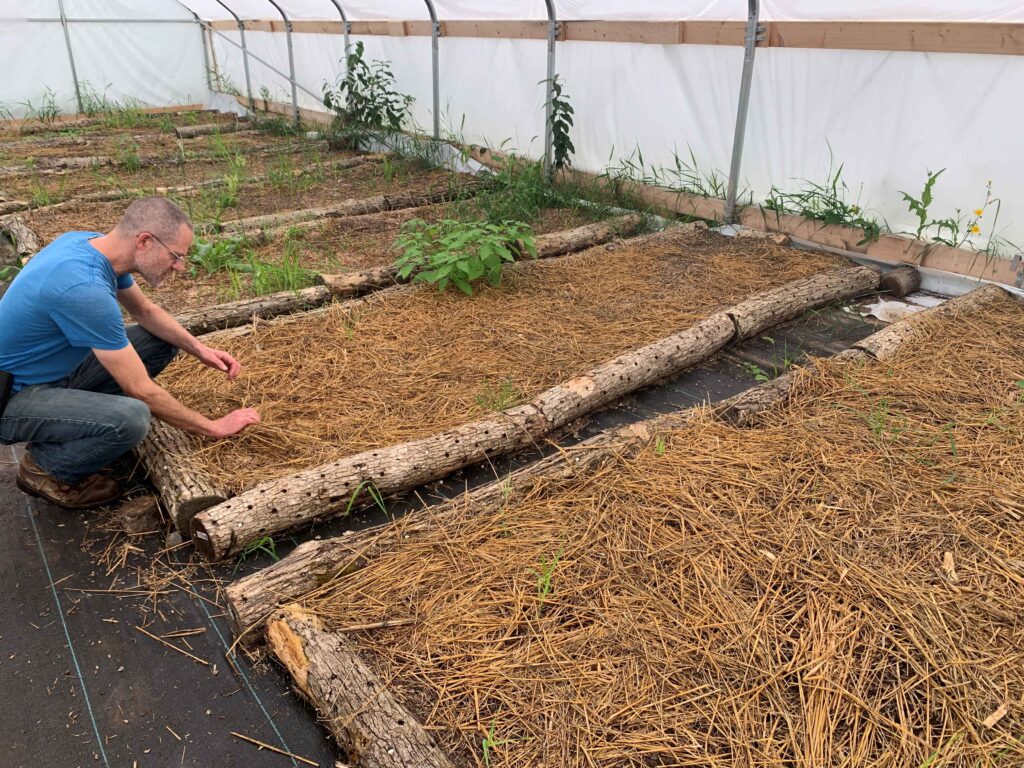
point(41, 196)
point(45, 110)
point(498, 398)
point(684, 175)
point(9, 272)
point(759, 374)
point(660, 445)
point(286, 275)
point(460, 252)
point(825, 202)
point(955, 231)
point(560, 121)
point(216, 255)
point(264, 546)
point(365, 100)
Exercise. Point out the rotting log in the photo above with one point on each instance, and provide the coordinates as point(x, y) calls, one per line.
point(45, 166)
point(322, 492)
point(25, 240)
point(356, 207)
point(207, 129)
point(370, 724)
point(183, 493)
point(901, 281)
point(251, 600)
point(236, 313)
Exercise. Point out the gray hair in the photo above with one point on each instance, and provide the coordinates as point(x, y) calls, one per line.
point(156, 215)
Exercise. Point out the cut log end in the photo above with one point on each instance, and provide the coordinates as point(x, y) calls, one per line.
point(184, 512)
point(901, 281)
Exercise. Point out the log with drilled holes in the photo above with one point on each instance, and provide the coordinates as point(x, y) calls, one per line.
point(183, 494)
point(252, 599)
point(357, 207)
point(372, 726)
point(235, 313)
point(322, 492)
point(46, 166)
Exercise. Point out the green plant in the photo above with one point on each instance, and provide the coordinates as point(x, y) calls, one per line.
point(490, 742)
point(286, 275)
point(755, 370)
point(374, 494)
point(956, 231)
point(684, 175)
point(9, 272)
point(460, 252)
point(264, 546)
point(544, 577)
point(660, 445)
point(365, 101)
point(128, 156)
point(216, 255)
point(825, 202)
point(45, 111)
point(41, 196)
point(491, 398)
point(6, 112)
point(560, 120)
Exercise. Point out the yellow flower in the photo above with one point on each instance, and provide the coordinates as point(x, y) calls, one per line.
point(975, 229)
point(979, 212)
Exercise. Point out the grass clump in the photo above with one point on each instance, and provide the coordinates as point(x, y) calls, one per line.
point(460, 253)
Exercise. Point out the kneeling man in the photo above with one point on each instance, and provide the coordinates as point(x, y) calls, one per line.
point(83, 388)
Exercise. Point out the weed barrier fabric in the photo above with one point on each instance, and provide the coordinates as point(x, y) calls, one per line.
point(839, 584)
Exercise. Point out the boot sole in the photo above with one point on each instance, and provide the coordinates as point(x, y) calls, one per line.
point(30, 491)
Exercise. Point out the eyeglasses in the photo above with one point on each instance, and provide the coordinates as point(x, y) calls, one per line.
point(178, 258)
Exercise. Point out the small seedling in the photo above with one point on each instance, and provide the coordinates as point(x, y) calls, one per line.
point(757, 372)
point(490, 742)
point(216, 255)
point(659, 446)
point(263, 546)
point(128, 156)
point(544, 576)
point(371, 489)
point(491, 398)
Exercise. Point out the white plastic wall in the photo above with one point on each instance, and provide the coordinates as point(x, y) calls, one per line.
point(887, 118)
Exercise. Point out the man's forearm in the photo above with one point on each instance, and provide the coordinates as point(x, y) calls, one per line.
point(169, 409)
point(164, 326)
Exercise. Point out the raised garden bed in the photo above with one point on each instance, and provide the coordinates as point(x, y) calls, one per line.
point(406, 364)
point(254, 199)
point(837, 584)
point(336, 246)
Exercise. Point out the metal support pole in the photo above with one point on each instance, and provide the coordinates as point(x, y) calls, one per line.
point(206, 52)
point(291, 61)
point(347, 27)
point(435, 33)
point(245, 54)
point(265, 63)
point(754, 33)
point(71, 56)
point(553, 32)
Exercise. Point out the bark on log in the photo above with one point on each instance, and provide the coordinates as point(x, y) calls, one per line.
point(900, 281)
point(208, 129)
point(25, 240)
point(48, 166)
point(355, 207)
point(13, 206)
point(236, 313)
point(312, 564)
point(370, 724)
point(322, 492)
point(183, 494)
point(548, 246)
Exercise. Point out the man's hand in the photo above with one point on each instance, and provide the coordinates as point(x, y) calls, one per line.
point(219, 360)
point(234, 422)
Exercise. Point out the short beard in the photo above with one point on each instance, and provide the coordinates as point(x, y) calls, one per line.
point(152, 279)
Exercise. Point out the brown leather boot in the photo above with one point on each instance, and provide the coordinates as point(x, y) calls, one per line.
point(93, 491)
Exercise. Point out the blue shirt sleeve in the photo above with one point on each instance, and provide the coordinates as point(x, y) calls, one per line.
point(88, 316)
point(125, 281)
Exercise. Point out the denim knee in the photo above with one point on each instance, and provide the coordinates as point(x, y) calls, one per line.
point(134, 422)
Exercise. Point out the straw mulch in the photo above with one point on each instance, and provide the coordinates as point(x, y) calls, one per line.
point(841, 586)
point(415, 362)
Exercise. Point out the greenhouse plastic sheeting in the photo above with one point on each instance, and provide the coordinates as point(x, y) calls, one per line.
point(886, 118)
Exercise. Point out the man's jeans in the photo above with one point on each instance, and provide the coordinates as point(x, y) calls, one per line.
point(83, 422)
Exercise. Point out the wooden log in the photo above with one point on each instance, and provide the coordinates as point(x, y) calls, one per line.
point(900, 281)
point(207, 129)
point(322, 492)
point(236, 313)
point(183, 493)
point(365, 718)
point(46, 166)
point(312, 564)
point(26, 241)
point(354, 207)
point(13, 206)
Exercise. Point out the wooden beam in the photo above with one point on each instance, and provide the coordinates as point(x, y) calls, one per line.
point(919, 36)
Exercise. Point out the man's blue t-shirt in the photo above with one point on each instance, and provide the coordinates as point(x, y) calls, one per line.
point(61, 305)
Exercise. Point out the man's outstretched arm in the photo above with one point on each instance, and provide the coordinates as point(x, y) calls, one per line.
point(127, 369)
point(162, 324)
